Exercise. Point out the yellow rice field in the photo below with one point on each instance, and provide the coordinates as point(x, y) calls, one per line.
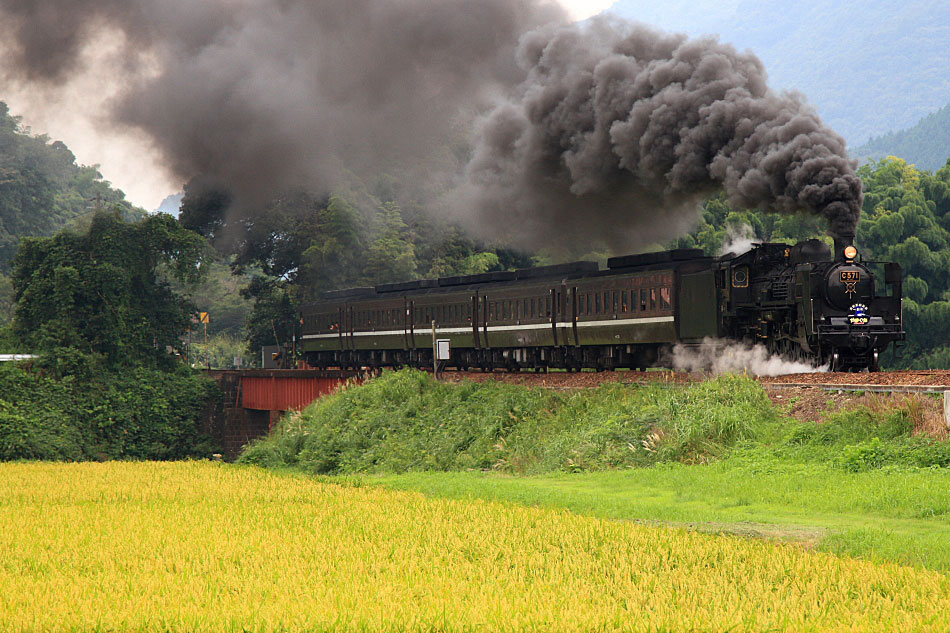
point(212, 547)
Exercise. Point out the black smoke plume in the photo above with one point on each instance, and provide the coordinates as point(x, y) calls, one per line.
point(599, 132)
point(261, 95)
point(619, 131)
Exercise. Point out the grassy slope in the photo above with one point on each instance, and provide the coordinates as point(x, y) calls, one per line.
point(168, 547)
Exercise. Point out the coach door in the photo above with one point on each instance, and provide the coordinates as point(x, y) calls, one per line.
point(573, 312)
point(340, 326)
point(475, 336)
point(484, 322)
point(406, 309)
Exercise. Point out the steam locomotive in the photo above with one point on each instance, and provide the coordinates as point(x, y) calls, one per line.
point(802, 302)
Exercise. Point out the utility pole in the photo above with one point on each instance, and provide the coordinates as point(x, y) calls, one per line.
point(435, 354)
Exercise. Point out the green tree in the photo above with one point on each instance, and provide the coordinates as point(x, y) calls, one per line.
point(274, 317)
point(392, 256)
point(105, 293)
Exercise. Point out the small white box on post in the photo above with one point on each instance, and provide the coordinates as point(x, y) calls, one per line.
point(443, 349)
point(946, 408)
point(440, 352)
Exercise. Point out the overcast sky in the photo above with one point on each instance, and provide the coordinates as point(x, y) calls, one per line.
point(126, 159)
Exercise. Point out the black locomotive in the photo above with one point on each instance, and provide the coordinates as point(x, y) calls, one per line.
point(799, 301)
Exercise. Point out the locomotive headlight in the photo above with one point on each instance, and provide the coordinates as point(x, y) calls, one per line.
point(850, 252)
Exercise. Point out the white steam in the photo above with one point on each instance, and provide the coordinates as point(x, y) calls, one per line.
point(721, 357)
point(738, 240)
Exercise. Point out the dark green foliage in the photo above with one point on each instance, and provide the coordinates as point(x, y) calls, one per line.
point(219, 294)
point(137, 414)
point(104, 293)
point(406, 421)
point(273, 316)
point(926, 144)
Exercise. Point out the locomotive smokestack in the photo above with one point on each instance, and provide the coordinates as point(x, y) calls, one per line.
point(842, 242)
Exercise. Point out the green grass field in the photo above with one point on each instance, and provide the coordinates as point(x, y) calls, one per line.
point(886, 514)
point(195, 547)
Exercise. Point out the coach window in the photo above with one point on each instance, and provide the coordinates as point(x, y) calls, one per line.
point(547, 306)
point(623, 300)
point(665, 299)
point(597, 303)
point(652, 299)
point(643, 300)
point(616, 302)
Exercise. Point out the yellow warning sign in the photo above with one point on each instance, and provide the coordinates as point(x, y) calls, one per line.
point(203, 317)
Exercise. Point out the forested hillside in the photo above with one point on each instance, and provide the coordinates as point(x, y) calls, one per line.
point(869, 67)
point(42, 190)
point(926, 145)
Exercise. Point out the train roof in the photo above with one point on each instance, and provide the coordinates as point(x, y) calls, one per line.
point(660, 259)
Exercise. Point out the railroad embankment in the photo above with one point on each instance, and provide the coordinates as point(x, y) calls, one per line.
point(405, 421)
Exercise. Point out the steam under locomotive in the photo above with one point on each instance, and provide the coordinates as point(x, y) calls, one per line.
point(801, 302)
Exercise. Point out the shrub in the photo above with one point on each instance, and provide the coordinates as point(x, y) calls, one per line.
point(138, 414)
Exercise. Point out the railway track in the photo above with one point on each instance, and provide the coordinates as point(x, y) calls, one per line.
point(935, 380)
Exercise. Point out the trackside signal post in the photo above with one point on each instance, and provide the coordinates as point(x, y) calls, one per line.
point(205, 319)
